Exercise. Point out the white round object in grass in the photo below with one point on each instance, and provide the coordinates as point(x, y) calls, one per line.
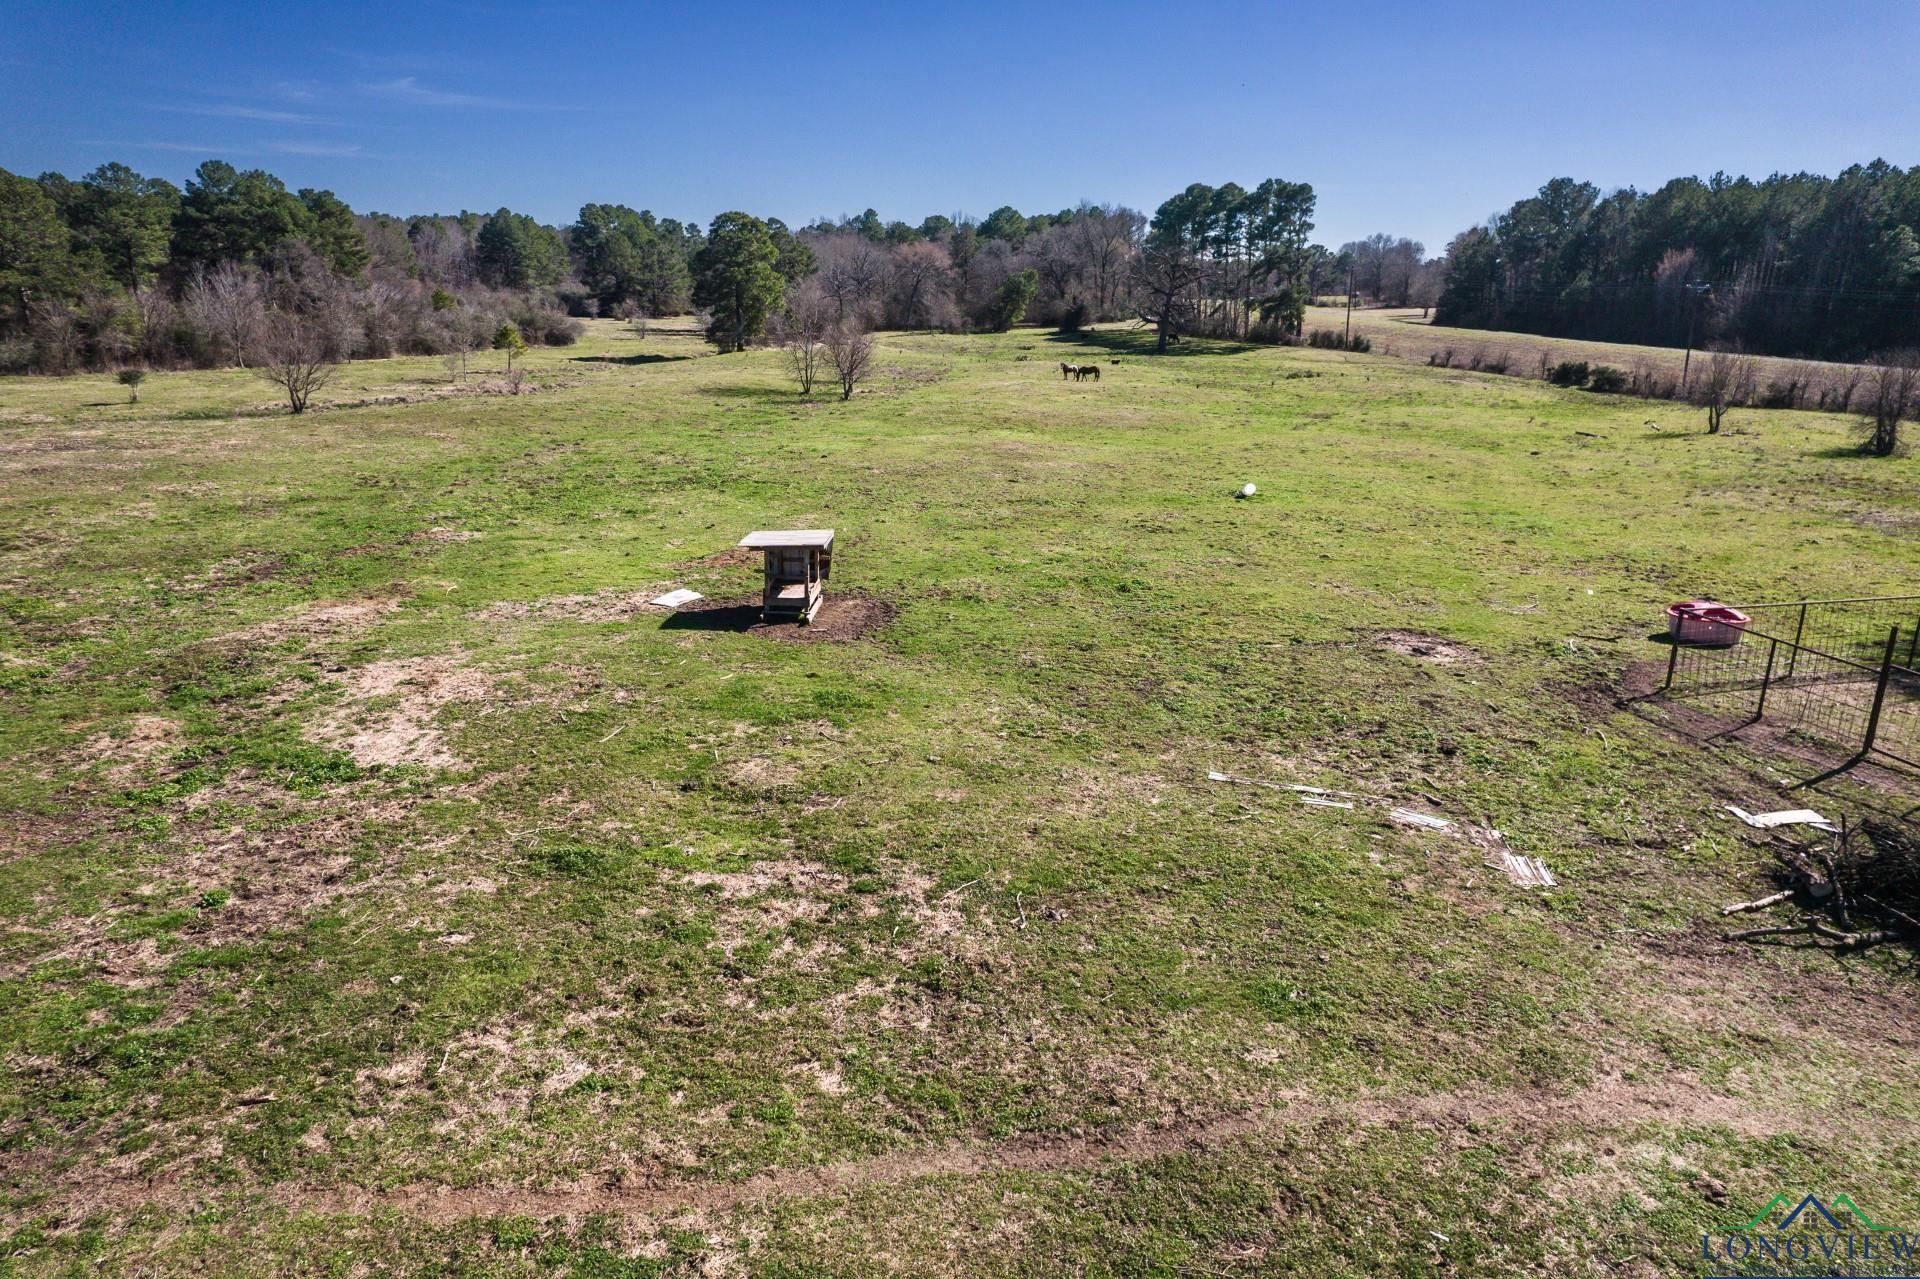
point(1246, 490)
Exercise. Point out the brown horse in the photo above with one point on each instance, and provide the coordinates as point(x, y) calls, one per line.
point(1084, 371)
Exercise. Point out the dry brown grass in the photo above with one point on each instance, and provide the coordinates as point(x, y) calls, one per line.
point(1652, 370)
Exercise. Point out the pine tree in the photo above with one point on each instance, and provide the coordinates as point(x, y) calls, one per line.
point(737, 280)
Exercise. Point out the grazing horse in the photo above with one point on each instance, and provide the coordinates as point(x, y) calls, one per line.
point(1083, 371)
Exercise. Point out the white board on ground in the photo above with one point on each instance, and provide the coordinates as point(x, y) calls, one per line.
point(1785, 817)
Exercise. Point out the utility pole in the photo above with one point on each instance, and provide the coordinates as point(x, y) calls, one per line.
point(1693, 299)
point(1349, 338)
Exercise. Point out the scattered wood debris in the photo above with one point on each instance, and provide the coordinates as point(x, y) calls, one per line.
point(1859, 889)
point(1528, 872)
point(1295, 787)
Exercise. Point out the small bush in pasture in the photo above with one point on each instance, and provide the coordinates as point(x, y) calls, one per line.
point(850, 351)
point(1725, 379)
point(1607, 380)
point(131, 379)
point(1791, 389)
point(1334, 340)
point(509, 339)
point(1568, 373)
point(1892, 397)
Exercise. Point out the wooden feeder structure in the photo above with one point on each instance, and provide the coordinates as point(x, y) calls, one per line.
point(798, 562)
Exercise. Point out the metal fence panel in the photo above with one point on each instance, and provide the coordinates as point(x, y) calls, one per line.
point(1844, 672)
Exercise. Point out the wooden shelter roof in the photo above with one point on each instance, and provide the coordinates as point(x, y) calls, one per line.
point(776, 539)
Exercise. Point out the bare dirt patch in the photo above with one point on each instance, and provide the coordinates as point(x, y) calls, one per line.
point(760, 772)
point(1426, 648)
point(402, 730)
point(601, 606)
point(234, 571)
point(324, 620)
point(765, 898)
point(244, 876)
point(1609, 1105)
point(130, 753)
point(841, 619)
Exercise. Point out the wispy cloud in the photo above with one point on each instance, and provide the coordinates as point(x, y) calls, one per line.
point(295, 147)
point(334, 149)
point(237, 112)
point(409, 90)
point(197, 148)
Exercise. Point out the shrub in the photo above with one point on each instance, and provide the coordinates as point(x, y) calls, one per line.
point(1273, 333)
point(1335, 340)
point(1009, 305)
point(1607, 380)
point(1074, 318)
point(1568, 373)
point(509, 339)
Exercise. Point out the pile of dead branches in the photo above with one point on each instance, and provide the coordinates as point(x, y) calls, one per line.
point(1856, 889)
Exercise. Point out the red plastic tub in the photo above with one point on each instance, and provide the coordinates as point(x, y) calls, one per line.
point(1707, 623)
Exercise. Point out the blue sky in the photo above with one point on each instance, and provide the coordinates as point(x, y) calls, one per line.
point(1417, 119)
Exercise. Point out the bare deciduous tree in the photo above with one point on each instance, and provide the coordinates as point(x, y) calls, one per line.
point(381, 299)
point(1106, 239)
point(920, 283)
point(229, 303)
point(852, 272)
point(1892, 397)
point(293, 356)
point(57, 333)
point(1728, 378)
point(850, 348)
point(801, 331)
point(1164, 274)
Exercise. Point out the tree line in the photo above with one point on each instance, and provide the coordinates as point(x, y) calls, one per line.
point(116, 269)
point(1796, 265)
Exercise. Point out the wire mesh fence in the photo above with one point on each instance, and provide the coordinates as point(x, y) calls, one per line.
point(1855, 628)
point(1845, 673)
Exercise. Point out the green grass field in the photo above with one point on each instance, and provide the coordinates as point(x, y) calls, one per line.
point(388, 890)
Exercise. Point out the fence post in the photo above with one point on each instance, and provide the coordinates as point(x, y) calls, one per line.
point(1673, 658)
point(1880, 690)
point(1793, 658)
point(1766, 680)
point(1913, 647)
